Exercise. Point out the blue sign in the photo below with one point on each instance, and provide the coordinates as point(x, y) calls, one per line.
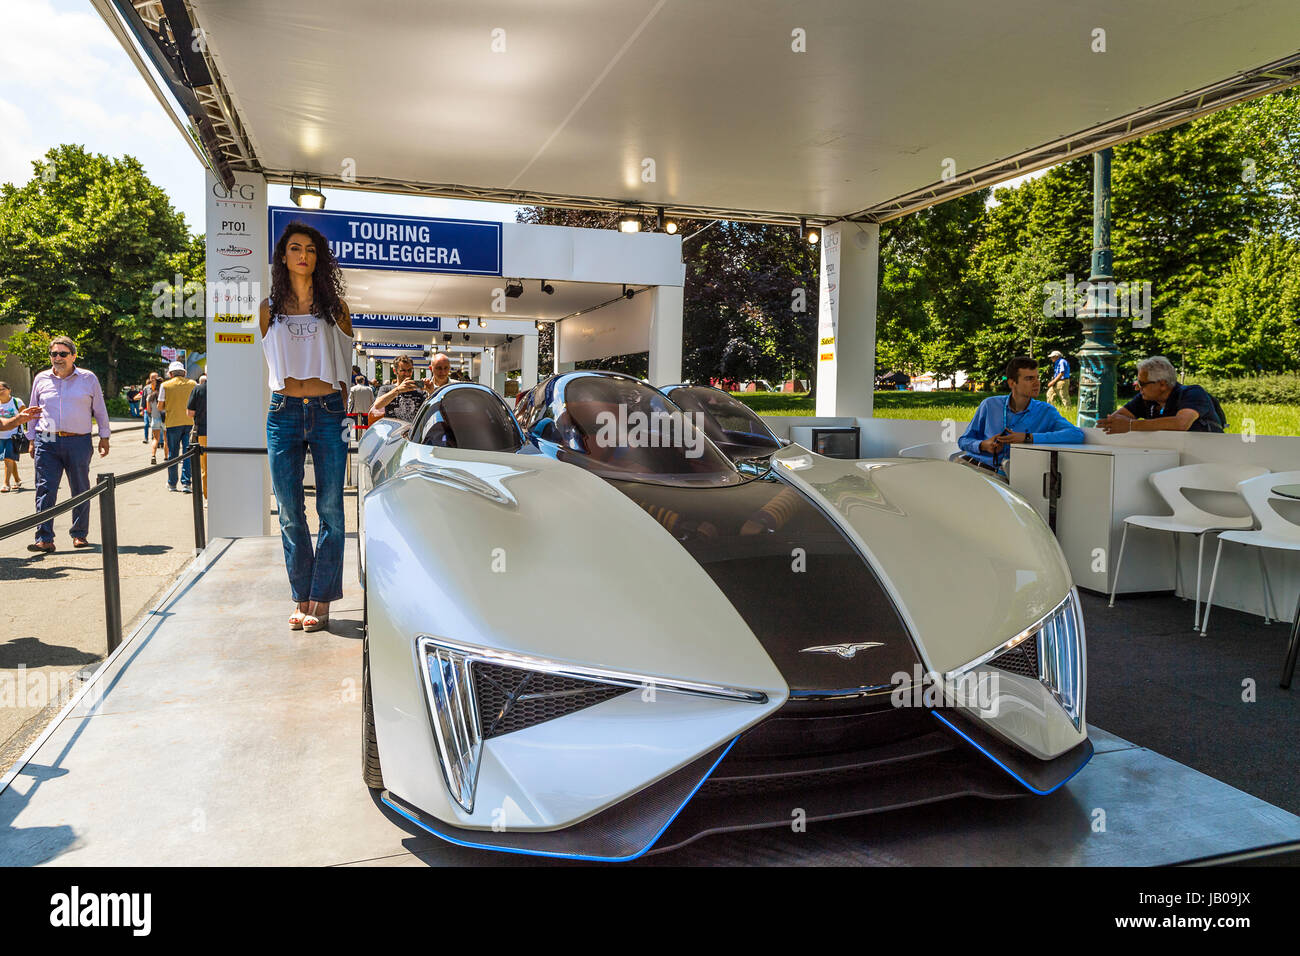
point(362, 240)
point(409, 323)
point(395, 346)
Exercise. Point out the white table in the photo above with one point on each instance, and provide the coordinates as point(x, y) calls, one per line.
point(1099, 486)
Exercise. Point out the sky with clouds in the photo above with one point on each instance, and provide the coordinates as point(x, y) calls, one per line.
point(64, 78)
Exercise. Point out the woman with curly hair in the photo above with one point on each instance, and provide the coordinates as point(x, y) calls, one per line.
point(307, 339)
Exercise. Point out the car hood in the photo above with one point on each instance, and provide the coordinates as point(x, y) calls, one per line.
point(968, 562)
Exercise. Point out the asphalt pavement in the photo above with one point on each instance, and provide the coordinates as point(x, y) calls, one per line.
point(54, 615)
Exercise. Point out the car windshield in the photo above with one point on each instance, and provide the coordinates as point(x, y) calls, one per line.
point(621, 428)
point(726, 420)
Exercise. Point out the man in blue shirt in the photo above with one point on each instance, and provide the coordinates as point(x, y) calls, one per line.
point(1058, 389)
point(1003, 421)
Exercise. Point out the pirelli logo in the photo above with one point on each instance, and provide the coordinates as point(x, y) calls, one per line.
point(827, 356)
point(233, 319)
point(235, 338)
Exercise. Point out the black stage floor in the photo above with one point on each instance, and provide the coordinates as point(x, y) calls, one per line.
point(1154, 681)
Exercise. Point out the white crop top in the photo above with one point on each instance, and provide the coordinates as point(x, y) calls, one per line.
point(304, 346)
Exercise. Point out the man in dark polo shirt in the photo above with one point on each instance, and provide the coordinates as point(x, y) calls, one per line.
point(1162, 404)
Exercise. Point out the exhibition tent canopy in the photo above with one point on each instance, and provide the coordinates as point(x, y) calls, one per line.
point(769, 109)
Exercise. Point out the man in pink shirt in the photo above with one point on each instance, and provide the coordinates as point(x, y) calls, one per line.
point(68, 398)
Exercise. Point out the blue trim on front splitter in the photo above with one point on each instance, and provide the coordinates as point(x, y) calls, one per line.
point(1019, 779)
point(570, 856)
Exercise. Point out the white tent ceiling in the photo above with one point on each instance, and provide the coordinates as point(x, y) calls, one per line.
point(410, 96)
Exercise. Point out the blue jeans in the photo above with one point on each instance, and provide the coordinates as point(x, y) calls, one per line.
point(178, 440)
point(293, 426)
point(54, 458)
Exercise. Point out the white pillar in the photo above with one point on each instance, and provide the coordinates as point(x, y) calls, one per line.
point(528, 374)
point(486, 369)
point(665, 335)
point(846, 319)
point(239, 485)
point(370, 368)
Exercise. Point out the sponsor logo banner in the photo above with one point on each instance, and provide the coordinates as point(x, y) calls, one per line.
point(402, 243)
point(235, 338)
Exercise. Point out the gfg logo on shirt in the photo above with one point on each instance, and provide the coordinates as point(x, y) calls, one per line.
point(103, 909)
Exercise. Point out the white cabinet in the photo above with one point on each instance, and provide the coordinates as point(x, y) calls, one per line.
point(1101, 485)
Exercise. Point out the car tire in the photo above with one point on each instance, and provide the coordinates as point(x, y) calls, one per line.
point(370, 769)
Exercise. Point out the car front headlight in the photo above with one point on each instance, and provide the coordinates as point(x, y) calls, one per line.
point(449, 684)
point(476, 693)
point(1051, 650)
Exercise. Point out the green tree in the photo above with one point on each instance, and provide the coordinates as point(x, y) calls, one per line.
point(750, 300)
point(31, 348)
point(1265, 135)
point(928, 307)
point(82, 246)
point(1021, 325)
point(1182, 211)
point(1246, 323)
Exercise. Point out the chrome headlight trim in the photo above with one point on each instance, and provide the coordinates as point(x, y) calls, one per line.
point(1060, 655)
point(445, 667)
point(449, 689)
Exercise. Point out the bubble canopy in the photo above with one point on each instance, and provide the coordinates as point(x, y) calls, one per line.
point(620, 427)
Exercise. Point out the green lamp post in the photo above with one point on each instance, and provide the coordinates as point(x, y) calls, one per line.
point(1098, 354)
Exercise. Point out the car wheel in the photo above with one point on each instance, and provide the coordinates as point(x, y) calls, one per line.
point(370, 770)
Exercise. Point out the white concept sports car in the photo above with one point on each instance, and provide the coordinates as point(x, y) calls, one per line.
point(623, 618)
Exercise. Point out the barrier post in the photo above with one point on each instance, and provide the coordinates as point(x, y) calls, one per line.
point(200, 538)
point(108, 535)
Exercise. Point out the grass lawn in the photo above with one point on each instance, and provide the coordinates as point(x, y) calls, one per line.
point(960, 406)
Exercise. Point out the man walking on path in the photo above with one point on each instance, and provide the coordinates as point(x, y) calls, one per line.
point(1059, 385)
point(197, 407)
point(176, 422)
point(68, 398)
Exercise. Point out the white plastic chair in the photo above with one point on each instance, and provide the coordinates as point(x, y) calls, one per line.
point(1187, 518)
point(1274, 532)
point(942, 450)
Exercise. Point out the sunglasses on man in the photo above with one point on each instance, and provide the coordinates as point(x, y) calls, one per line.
point(59, 354)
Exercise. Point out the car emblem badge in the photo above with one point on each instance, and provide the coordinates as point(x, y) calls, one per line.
point(845, 651)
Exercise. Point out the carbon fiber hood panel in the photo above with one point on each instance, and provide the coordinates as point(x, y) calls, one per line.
point(805, 592)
